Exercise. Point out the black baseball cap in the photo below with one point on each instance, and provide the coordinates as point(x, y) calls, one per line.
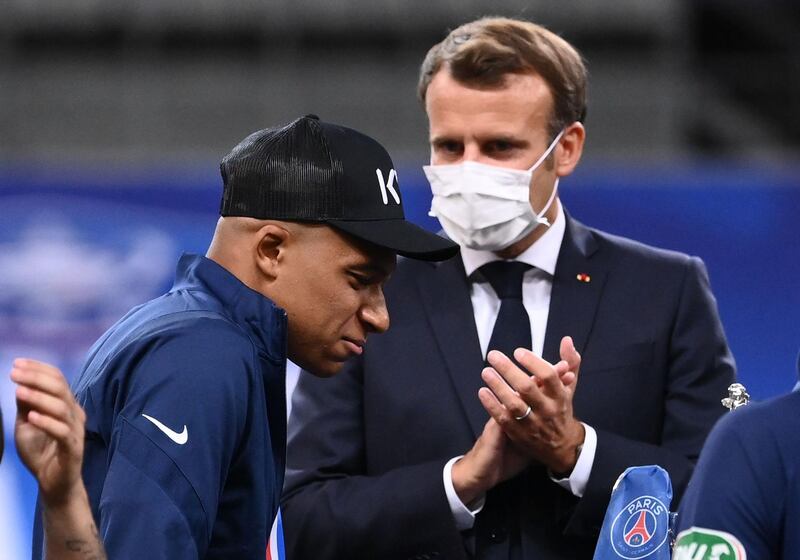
point(313, 171)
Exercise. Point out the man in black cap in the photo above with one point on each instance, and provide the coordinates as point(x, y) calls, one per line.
point(185, 396)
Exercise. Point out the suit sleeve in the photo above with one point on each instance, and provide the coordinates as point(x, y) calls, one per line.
point(332, 509)
point(699, 370)
point(160, 495)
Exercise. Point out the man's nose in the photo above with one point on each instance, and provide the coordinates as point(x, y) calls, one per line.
point(376, 315)
point(472, 152)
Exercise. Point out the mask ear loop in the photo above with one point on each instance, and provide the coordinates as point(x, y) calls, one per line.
point(552, 146)
point(540, 216)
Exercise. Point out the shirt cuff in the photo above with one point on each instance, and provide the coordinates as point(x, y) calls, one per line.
point(576, 483)
point(463, 515)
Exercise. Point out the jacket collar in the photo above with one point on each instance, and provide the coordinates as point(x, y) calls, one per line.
point(255, 313)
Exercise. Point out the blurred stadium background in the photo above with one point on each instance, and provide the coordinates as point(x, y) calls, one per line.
point(114, 116)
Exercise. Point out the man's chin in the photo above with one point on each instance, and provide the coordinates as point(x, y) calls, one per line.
point(327, 368)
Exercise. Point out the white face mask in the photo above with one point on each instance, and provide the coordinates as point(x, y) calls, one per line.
point(484, 206)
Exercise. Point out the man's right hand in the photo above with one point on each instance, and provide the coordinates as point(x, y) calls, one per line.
point(494, 459)
point(491, 460)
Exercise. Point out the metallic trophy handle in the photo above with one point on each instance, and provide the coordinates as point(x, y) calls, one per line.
point(737, 396)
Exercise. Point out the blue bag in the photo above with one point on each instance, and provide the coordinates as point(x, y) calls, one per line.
point(637, 521)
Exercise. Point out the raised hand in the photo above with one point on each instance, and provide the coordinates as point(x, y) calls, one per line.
point(49, 428)
point(491, 460)
point(534, 408)
point(49, 434)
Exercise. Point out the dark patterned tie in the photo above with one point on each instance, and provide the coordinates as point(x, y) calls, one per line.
point(513, 327)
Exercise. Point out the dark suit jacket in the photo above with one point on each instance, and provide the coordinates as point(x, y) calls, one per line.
point(367, 448)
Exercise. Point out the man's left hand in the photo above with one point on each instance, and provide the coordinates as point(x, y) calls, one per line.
point(549, 433)
point(49, 430)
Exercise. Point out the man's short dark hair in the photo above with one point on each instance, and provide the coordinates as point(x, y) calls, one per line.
point(484, 51)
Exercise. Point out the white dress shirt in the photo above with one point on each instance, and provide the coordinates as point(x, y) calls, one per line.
point(536, 287)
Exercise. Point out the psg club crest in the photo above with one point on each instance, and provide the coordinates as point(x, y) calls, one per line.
point(641, 528)
point(637, 521)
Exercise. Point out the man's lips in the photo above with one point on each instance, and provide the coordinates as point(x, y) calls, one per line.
point(354, 345)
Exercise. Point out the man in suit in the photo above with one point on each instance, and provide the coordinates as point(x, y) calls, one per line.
point(417, 450)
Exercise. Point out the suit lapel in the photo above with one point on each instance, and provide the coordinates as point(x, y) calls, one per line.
point(446, 297)
point(577, 286)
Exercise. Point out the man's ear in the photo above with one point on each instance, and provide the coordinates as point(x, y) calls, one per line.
point(270, 251)
point(569, 149)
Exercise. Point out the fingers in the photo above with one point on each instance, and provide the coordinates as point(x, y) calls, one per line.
point(547, 432)
point(546, 375)
point(483, 465)
point(572, 359)
point(514, 376)
point(492, 434)
point(40, 376)
point(520, 388)
point(493, 406)
point(490, 402)
point(60, 431)
point(534, 364)
point(45, 404)
point(504, 394)
point(36, 365)
point(502, 417)
point(568, 378)
point(569, 354)
point(514, 389)
point(43, 392)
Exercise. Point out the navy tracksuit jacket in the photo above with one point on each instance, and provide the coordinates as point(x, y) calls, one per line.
point(185, 405)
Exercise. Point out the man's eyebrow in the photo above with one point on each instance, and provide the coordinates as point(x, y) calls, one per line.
point(502, 137)
point(438, 139)
point(507, 138)
point(371, 268)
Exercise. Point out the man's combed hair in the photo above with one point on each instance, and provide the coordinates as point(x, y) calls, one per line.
point(484, 51)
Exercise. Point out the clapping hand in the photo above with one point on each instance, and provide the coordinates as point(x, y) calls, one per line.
point(534, 407)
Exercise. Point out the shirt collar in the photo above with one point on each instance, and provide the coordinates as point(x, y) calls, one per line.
point(543, 254)
point(263, 321)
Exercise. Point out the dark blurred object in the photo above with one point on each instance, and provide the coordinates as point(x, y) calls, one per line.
point(747, 55)
point(89, 81)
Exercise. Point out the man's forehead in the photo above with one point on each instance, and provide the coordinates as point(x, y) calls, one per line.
point(519, 92)
point(357, 253)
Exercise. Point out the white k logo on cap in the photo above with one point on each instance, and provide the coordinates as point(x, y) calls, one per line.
point(388, 185)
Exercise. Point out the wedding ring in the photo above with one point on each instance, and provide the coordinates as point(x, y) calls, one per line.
point(524, 416)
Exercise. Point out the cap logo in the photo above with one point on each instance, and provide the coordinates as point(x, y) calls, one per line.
point(387, 186)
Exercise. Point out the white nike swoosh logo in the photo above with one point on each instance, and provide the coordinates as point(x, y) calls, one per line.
point(179, 438)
